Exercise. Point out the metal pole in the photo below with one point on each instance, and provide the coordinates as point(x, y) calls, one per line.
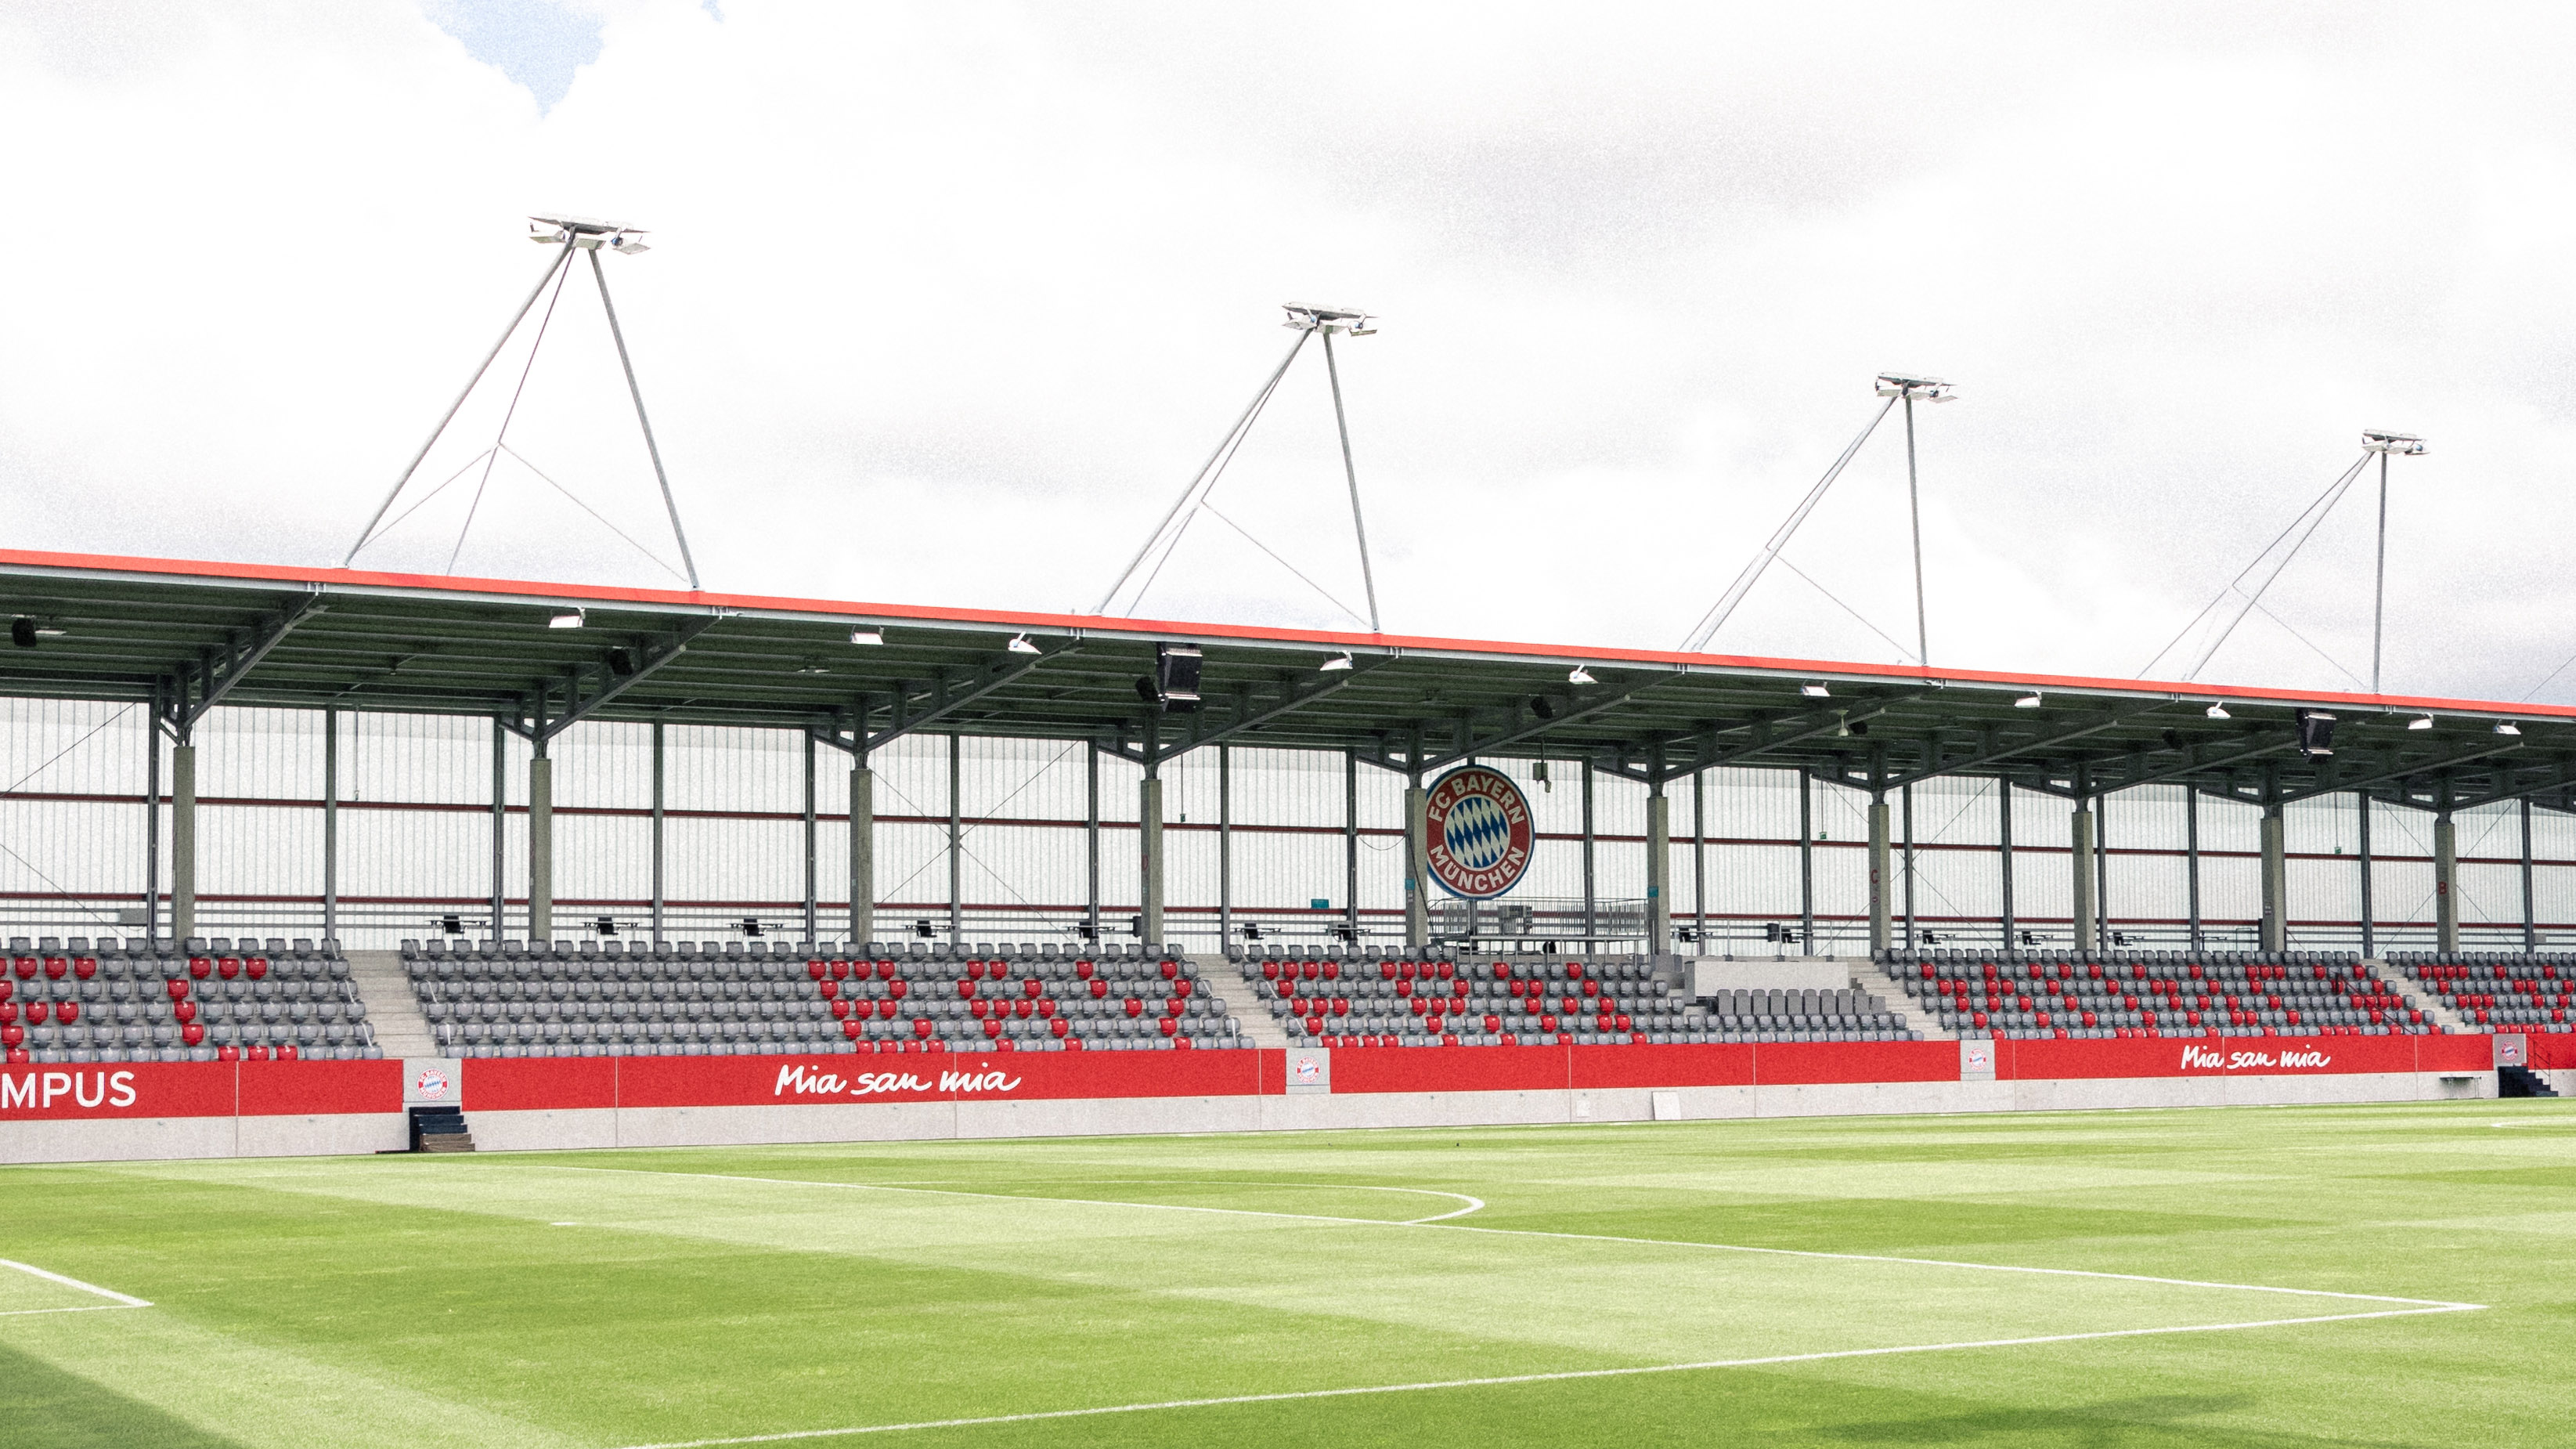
point(2369, 926)
point(330, 824)
point(2102, 874)
point(1905, 797)
point(1914, 506)
point(2530, 923)
point(1225, 845)
point(1350, 821)
point(1359, 526)
point(956, 851)
point(1699, 862)
point(1591, 901)
point(2003, 822)
point(659, 899)
point(450, 415)
point(2379, 590)
point(637, 392)
point(500, 809)
point(2191, 857)
point(812, 906)
point(183, 838)
point(1806, 865)
point(1091, 840)
point(152, 819)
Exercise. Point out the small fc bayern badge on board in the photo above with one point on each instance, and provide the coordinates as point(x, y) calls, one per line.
point(1477, 830)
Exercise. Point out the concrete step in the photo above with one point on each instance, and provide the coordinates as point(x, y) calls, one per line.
point(401, 1031)
point(1242, 1002)
point(1882, 983)
point(2417, 997)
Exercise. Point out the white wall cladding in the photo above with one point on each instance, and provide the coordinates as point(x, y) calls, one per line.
point(415, 840)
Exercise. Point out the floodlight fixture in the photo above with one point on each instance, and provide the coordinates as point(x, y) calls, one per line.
point(1020, 645)
point(1580, 675)
point(568, 619)
point(2316, 733)
point(867, 636)
point(2507, 727)
point(1338, 661)
point(1915, 389)
point(2420, 722)
point(811, 667)
point(2027, 701)
point(2403, 444)
point(2217, 710)
point(24, 632)
point(1815, 691)
point(584, 233)
point(1304, 318)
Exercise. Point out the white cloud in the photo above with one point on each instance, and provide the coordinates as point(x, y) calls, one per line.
point(947, 301)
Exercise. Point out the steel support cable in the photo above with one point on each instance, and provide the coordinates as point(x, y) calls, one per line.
point(522, 460)
point(512, 412)
point(368, 534)
point(1224, 449)
point(1902, 653)
point(405, 515)
point(1211, 509)
point(2305, 525)
point(1715, 618)
point(2358, 681)
point(59, 888)
point(1218, 463)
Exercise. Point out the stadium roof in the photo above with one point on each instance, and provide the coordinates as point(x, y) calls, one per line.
point(185, 636)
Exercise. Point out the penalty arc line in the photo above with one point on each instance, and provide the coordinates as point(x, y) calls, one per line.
point(1559, 1376)
point(2424, 1304)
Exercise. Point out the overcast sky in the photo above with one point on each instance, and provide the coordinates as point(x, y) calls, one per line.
point(947, 302)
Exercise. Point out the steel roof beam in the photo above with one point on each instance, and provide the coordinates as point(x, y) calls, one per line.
point(2401, 771)
point(945, 701)
point(1521, 733)
point(218, 677)
point(2090, 725)
point(2196, 763)
point(656, 655)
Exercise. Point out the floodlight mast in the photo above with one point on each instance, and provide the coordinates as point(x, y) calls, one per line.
point(1306, 321)
point(1929, 389)
point(568, 234)
point(2384, 443)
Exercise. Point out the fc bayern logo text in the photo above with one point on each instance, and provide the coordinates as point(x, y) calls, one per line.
point(1478, 832)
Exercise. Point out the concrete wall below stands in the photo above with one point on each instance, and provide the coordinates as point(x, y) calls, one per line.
point(916, 1121)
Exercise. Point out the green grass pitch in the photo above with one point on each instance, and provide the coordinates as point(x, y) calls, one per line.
point(1556, 1286)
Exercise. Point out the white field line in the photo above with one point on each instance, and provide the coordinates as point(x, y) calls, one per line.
point(1540, 1378)
point(121, 1300)
point(2425, 1304)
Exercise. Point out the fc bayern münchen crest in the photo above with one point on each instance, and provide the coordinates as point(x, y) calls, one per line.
point(1478, 832)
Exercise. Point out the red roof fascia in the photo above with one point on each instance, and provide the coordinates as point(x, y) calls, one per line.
point(1327, 640)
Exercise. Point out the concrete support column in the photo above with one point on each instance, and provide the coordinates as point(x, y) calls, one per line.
point(1149, 858)
point(2446, 881)
point(1659, 871)
point(1878, 875)
point(2369, 910)
point(541, 849)
point(2276, 882)
point(863, 854)
point(2082, 834)
point(1417, 865)
point(2004, 861)
point(183, 841)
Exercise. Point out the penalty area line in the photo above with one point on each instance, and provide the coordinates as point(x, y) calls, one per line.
point(1558, 1376)
point(116, 1299)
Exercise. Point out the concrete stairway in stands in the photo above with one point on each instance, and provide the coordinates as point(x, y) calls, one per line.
point(1879, 981)
point(2417, 997)
point(391, 1009)
point(1242, 1002)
